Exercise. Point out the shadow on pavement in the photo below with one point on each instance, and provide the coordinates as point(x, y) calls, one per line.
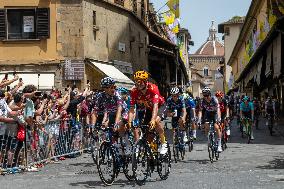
point(95, 184)
point(200, 161)
point(82, 164)
point(277, 163)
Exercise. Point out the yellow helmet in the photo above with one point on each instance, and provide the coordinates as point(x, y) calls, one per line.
point(141, 75)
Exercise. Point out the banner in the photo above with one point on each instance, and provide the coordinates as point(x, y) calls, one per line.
point(174, 7)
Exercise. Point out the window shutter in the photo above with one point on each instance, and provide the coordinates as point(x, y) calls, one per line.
point(42, 24)
point(2, 24)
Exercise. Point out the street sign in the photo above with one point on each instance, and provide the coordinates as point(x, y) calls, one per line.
point(74, 69)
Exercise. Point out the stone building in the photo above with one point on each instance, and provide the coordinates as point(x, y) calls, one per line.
point(231, 30)
point(63, 42)
point(208, 60)
point(257, 58)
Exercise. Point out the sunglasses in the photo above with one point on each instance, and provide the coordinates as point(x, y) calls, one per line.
point(175, 96)
point(139, 82)
point(205, 96)
point(111, 87)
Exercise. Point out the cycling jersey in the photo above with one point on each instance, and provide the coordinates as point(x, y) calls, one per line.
point(176, 105)
point(106, 103)
point(211, 106)
point(246, 108)
point(209, 109)
point(147, 100)
point(223, 104)
point(189, 103)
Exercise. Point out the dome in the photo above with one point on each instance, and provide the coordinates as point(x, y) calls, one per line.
point(212, 47)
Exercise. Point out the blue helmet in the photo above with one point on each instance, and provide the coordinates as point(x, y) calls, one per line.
point(123, 90)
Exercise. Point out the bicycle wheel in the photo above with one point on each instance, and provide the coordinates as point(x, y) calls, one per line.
point(164, 164)
point(176, 147)
point(106, 163)
point(210, 149)
point(94, 149)
point(128, 168)
point(141, 162)
point(248, 126)
point(190, 145)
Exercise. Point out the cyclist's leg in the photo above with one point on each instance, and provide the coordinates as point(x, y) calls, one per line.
point(219, 135)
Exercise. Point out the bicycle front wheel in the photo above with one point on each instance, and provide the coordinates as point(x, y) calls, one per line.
point(164, 164)
point(141, 162)
point(106, 163)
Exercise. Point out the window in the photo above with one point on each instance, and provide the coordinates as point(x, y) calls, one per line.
point(95, 27)
point(17, 24)
point(120, 2)
point(205, 71)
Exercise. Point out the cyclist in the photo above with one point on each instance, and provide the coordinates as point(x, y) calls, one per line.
point(224, 109)
point(247, 111)
point(176, 109)
point(190, 110)
point(108, 108)
point(257, 110)
point(211, 109)
point(149, 106)
point(269, 108)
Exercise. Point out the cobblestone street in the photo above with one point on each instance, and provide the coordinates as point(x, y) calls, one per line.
point(256, 165)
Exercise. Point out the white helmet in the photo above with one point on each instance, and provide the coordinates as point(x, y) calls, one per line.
point(206, 90)
point(174, 91)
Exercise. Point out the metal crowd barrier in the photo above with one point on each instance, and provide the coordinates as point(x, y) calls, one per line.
point(43, 143)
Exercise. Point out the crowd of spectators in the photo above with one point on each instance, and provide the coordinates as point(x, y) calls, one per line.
point(33, 118)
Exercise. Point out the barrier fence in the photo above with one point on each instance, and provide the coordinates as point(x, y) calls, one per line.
point(40, 143)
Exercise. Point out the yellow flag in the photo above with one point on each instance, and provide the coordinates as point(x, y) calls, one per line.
point(175, 29)
point(174, 7)
point(169, 18)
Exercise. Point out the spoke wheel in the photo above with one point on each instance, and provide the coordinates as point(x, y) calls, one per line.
point(128, 168)
point(164, 164)
point(141, 162)
point(106, 163)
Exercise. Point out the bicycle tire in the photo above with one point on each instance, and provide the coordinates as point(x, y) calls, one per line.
point(176, 147)
point(248, 133)
point(190, 146)
point(141, 155)
point(210, 149)
point(127, 169)
point(164, 160)
point(106, 151)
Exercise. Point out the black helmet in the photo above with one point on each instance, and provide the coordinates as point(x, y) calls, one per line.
point(106, 82)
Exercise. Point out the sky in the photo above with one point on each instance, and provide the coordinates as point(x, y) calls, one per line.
point(196, 15)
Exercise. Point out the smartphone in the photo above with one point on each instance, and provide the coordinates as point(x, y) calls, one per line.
point(38, 93)
point(8, 88)
point(88, 81)
point(14, 73)
point(21, 79)
point(6, 76)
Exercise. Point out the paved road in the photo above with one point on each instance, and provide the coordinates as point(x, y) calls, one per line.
point(248, 166)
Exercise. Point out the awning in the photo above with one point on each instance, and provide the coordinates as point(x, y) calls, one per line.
point(111, 71)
